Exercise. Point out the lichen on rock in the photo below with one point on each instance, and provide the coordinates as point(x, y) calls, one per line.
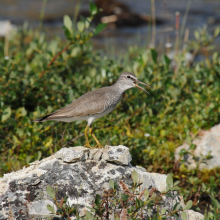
point(77, 172)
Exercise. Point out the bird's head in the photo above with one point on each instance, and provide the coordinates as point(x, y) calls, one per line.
point(128, 80)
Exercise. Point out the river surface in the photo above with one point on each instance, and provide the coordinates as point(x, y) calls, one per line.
point(200, 13)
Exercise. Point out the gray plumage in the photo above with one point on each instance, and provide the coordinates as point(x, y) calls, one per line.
point(95, 104)
point(91, 103)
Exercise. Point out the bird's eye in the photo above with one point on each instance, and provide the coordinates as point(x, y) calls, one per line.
point(128, 77)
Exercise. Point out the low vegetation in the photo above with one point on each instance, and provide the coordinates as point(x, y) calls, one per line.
point(38, 77)
point(128, 203)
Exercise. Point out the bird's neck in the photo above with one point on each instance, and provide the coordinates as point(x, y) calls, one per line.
point(120, 87)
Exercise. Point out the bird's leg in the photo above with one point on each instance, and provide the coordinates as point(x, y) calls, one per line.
point(87, 139)
point(96, 140)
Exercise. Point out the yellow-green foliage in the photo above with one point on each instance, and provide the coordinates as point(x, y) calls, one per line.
point(182, 101)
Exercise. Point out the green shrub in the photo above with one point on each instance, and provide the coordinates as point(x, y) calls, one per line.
point(34, 81)
point(125, 203)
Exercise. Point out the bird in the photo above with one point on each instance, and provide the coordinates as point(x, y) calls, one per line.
point(95, 104)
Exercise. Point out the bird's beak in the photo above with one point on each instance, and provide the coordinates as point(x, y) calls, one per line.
point(141, 87)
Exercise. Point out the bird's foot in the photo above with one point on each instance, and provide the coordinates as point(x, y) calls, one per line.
point(98, 146)
point(87, 145)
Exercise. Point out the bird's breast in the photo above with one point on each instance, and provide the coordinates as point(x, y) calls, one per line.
point(111, 101)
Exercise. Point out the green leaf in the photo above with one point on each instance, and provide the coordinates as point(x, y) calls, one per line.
point(117, 218)
point(192, 147)
point(217, 32)
point(188, 140)
point(50, 192)
point(175, 188)
point(166, 60)
point(28, 159)
point(125, 197)
point(154, 55)
point(169, 179)
point(163, 211)
point(23, 111)
point(50, 208)
point(138, 202)
point(39, 154)
point(188, 205)
point(210, 215)
point(93, 8)
point(146, 194)
point(98, 200)
point(177, 206)
point(53, 47)
point(48, 141)
point(68, 23)
point(139, 184)
point(67, 33)
point(168, 187)
point(87, 23)
point(177, 182)
point(184, 215)
point(215, 56)
point(115, 185)
point(134, 176)
point(197, 35)
point(100, 27)
point(59, 211)
point(6, 114)
point(88, 215)
point(111, 184)
point(119, 196)
point(80, 26)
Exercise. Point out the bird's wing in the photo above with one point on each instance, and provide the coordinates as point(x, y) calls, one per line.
point(89, 104)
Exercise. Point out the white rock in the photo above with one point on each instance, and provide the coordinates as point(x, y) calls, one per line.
point(72, 154)
point(208, 143)
point(80, 173)
point(117, 154)
point(47, 165)
point(40, 207)
point(95, 154)
point(191, 215)
point(141, 168)
point(150, 180)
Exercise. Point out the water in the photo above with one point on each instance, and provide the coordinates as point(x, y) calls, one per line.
point(201, 12)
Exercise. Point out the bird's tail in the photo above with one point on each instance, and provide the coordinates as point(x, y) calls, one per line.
point(42, 119)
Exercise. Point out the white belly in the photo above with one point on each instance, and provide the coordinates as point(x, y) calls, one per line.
point(89, 118)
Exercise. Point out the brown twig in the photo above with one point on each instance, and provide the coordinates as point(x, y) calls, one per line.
point(123, 215)
point(69, 142)
point(153, 189)
point(173, 212)
point(80, 135)
point(106, 208)
point(140, 216)
point(55, 57)
point(141, 194)
point(196, 196)
point(126, 190)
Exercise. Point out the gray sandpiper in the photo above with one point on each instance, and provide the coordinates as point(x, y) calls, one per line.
point(95, 104)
